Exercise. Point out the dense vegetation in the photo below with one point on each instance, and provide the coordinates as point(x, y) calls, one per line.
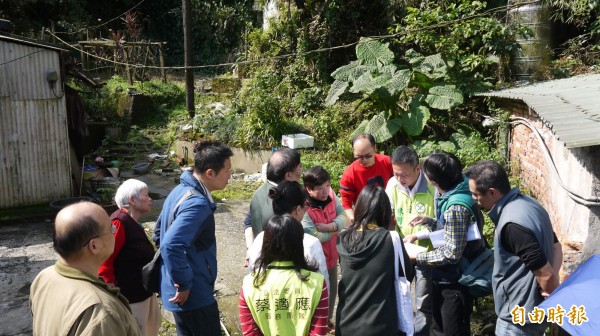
point(412, 82)
point(407, 71)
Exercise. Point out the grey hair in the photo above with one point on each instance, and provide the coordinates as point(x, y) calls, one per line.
point(129, 188)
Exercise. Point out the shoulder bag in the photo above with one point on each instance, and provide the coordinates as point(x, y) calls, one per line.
point(151, 271)
point(402, 287)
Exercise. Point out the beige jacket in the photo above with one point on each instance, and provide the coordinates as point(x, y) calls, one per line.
point(66, 301)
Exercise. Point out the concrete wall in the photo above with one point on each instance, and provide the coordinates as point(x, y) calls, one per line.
point(249, 162)
point(592, 243)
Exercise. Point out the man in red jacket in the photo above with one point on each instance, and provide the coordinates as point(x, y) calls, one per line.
point(367, 168)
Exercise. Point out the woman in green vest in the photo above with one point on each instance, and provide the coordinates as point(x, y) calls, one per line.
point(284, 295)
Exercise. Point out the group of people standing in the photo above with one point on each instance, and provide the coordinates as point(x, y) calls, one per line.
point(432, 202)
point(296, 234)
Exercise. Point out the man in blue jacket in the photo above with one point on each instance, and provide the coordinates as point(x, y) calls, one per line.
point(188, 244)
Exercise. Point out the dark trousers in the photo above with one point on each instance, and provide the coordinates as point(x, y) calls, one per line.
point(198, 322)
point(452, 307)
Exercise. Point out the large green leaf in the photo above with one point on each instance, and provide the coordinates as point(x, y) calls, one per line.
point(414, 120)
point(335, 91)
point(413, 57)
point(367, 83)
point(432, 66)
point(352, 71)
point(421, 81)
point(398, 82)
point(381, 128)
point(375, 123)
point(444, 97)
point(360, 129)
point(370, 51)
point(389, 69)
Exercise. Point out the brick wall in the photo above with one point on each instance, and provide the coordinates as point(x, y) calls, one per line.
point(577, 169)
point(527, 159)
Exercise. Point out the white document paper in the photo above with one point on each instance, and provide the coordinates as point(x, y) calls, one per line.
point(413, 249)
point(437, 237)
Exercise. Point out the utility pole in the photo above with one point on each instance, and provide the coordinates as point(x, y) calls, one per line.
point(187, 46)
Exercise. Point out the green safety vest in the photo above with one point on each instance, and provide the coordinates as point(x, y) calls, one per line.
point(406, 208)
point(284, 304)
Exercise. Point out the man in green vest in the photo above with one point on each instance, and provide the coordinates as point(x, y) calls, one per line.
point(410, 196)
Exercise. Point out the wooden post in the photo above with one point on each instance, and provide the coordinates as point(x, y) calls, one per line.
point(53, 31)
point(127, 67)
point(187, 43)
point(83, 59)
point(116, 58)
point(162, 62)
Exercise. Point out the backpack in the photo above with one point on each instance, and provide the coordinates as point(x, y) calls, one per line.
point(477, 274)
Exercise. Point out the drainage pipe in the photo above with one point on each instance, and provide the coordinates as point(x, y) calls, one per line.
point(583, 200)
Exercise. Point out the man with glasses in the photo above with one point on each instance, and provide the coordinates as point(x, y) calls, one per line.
point(68, 298)
point(410, 196)
point(527, 254)
point(368, 168)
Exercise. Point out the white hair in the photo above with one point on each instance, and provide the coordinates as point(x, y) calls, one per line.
point(129, 188)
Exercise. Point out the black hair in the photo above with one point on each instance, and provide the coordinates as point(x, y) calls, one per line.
point(315, 176)
point(364, 136)
point(489, 174)
point(282, 241)
point(372, 207)
point(284, 160)
point(405, 155)
point(444, 169)
point(74, 236)
point(286, 196)
point(210, 155)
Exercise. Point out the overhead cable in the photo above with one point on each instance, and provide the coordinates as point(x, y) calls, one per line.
point(304, 53)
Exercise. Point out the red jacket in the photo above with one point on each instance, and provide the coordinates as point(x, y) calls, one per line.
point(356, 177)
point(326, 215)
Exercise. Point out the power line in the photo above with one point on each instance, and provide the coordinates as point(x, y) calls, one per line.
point(304, 53)
point(18, 58)
point(107, 22)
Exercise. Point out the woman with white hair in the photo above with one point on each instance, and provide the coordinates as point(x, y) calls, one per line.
point(132, 251)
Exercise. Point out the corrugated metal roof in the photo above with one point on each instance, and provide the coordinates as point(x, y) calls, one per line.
point(570, 107)
point(31, 42)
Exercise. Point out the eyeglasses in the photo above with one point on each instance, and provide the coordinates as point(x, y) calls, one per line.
point(113, 229)
point(363, 157)
point(402, 176)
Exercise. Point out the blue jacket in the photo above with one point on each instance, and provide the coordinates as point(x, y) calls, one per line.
point(188, 247)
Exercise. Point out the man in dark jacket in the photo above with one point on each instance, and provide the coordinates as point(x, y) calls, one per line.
point(527, 254)
point(188, 244)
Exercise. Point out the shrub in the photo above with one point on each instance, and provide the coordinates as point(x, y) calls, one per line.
point(469, 148)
